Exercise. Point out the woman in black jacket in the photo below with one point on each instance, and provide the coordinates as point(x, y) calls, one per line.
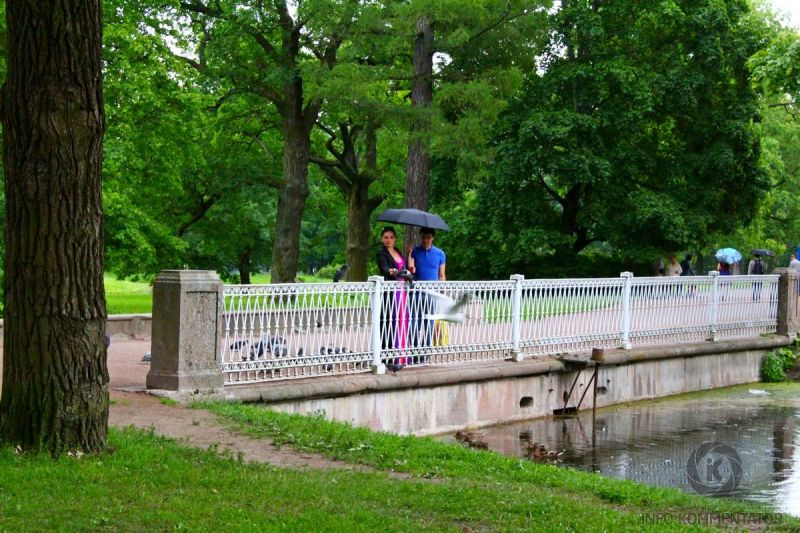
point(394, 313)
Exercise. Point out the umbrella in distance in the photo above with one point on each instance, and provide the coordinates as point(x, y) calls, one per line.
point(728, 255)
point(762, 252)
point(413, 217)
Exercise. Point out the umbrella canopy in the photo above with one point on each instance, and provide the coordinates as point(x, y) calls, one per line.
point(413, 217)
point(728, 255)
point(762, 251)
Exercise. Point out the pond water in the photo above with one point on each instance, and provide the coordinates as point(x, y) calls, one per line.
point(652, 442)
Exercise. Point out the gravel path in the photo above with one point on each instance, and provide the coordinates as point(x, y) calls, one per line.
point(131, 405)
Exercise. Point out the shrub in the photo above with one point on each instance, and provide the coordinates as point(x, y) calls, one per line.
point(776, 364)
point(772, 368)
point(327, 272)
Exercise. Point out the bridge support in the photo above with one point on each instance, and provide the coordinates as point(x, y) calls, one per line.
point(788, 308)
point(187, 329)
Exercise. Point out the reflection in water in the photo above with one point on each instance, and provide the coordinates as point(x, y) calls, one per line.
point(651, 442)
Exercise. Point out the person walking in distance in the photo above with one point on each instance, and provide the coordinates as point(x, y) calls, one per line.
point(756, 268)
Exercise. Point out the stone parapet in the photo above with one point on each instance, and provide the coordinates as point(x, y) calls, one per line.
point(186, 331)
point(423, 377)
point(788, 308)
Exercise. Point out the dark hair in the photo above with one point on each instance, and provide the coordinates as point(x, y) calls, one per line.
point(428, 231)
point(388, 228)
point(688, 257)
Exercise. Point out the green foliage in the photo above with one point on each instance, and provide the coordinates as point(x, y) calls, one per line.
point(328, 271)
point(775, 67)
point(181, 186)
point(622, 140)
point(772, 368)
point(572, 142)
point(776, 364)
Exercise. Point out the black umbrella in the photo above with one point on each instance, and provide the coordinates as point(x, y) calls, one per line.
point(762, 251)
point(413, 217)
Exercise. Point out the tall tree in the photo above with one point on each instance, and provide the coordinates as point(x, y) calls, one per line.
point(637, 131)
point(173, 161)
point(454, 43)
point(270, 51)
point(418, 166)
point(55, 380)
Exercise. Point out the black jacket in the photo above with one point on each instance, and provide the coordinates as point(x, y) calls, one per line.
point(386, 262)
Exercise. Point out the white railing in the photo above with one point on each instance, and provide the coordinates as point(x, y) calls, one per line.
point(295, 330)
point(304, 330)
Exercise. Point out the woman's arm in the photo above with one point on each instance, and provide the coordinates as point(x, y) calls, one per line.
point(386, 264)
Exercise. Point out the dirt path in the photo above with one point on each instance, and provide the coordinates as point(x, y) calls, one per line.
point(131, 405)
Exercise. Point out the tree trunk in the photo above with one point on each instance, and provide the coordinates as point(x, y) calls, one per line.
point(418, 166)
point(358, 211)
point(55, 379)
point(244, 267)
point(291, 200)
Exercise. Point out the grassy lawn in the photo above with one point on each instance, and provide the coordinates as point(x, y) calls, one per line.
point(148, 483)
point(127, 297)
point(134, 297)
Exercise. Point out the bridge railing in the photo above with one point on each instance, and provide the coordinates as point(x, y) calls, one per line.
point(276, 332)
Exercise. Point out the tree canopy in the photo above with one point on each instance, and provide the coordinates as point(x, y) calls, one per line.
point(637, 133)
point(591, 135)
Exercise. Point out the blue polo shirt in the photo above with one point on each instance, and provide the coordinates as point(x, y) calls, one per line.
point(427, 262)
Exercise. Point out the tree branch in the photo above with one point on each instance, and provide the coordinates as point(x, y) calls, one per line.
point(195, 6)
point(205, 203)
point(374, 202)
point(553, 194)
point(789, 107)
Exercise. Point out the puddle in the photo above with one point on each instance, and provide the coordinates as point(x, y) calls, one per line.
point(653, 442)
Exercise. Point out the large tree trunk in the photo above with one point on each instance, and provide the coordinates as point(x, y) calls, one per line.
point(418, 166)
point(291, 200)
point(360, 206)
point(55, 379)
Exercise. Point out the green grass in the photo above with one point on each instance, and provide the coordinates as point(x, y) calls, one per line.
point(525, 494)
point(147, 483)
point(132, 297)
point(537, 308)
point(127, 297)
point(263, 279)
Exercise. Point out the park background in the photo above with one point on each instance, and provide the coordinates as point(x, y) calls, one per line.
point(557, 142)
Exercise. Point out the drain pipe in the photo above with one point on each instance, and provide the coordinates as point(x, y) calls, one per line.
point(598, 356)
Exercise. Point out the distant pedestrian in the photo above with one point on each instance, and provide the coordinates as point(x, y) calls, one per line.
point(673, 268)
point(756, 268)
point(658, 267)
point(794, 263)
point(686, 266)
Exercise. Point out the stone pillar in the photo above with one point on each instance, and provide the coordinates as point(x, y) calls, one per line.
point(186, 331)
point(788, 310)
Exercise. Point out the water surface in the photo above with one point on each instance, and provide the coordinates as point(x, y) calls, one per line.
point(651, 442)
